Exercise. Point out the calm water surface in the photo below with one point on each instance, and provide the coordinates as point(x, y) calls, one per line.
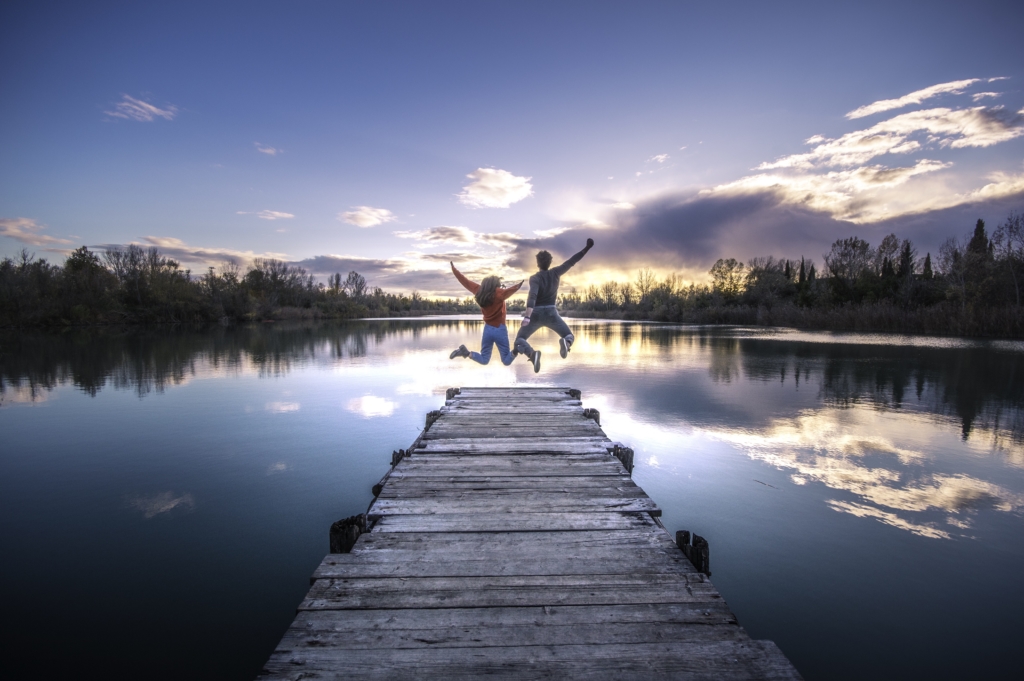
point(165, 494)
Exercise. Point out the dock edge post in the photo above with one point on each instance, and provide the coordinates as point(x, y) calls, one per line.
point(697, 552)
point(625, 456)
point(344, 533)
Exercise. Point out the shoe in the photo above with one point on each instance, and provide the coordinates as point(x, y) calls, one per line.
point(535, 358)
point(461, 352)
point(563, 347)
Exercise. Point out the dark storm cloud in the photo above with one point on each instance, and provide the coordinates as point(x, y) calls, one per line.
point(693, 231)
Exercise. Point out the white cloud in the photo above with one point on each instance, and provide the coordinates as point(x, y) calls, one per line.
point(954, 87)
point(367, 216)
point(267, 214)
point(494, 188)
point(660, 158)
point(371, 406)
point(623, 205)
point(978, 96)
point(953, 128)
point(133, 109)
point(846, 194)
point(267, 149)
point(27, 231)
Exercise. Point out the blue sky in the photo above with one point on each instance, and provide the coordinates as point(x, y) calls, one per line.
point(391, 137)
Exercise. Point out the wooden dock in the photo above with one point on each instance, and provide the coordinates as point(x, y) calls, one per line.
point(510, 541)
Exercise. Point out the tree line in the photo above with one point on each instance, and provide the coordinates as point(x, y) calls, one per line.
point(139, 285)
point(973, 287)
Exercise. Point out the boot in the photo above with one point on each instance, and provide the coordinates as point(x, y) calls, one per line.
point(461, 352)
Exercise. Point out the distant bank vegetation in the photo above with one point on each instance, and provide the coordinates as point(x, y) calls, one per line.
point(973, 287)
point(137, 285)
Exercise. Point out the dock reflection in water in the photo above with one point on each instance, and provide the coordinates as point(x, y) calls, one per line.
point(853, 487)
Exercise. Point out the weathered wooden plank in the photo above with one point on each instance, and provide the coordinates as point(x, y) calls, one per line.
point(517, 542)
point(588, 486)
point(524, 522)
point(738, 660)
point(516, 446)
point(408, 564)
point(716, 613)
point(535, 482)
point(492, 432)
point(507, 591)
point(533, 504)
point(420, 628)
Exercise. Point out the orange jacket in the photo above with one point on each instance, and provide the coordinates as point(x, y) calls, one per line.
point(494, 314)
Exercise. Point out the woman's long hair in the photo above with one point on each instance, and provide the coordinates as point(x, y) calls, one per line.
point(485, 296)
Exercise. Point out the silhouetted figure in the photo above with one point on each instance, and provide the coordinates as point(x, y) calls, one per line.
point(540, 306)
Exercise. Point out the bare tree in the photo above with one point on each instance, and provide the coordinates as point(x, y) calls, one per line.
point(848, 258)
point(1009, 246)
point(355, 284)
point(644, 283)
point(727, 276)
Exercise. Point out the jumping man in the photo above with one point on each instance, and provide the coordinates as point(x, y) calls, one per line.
point(540, 307)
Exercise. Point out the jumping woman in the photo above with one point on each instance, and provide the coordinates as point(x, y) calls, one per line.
point(491, 297)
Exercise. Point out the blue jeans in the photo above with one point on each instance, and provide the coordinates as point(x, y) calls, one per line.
point(493, 335)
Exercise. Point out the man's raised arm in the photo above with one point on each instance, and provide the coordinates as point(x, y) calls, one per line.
point(564, 267)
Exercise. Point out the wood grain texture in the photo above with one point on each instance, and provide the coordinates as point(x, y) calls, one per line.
point(508, 542)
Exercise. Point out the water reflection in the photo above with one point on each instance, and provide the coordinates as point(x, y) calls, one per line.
point(913, 433)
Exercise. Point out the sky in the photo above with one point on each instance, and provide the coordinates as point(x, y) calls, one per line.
point(390, 138)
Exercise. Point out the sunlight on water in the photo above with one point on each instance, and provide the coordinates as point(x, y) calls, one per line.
point(229, 452)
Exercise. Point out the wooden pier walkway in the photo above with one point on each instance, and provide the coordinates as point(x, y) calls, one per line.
point(511, 542)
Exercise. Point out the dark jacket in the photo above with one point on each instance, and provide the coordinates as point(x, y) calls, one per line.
point(544, 284)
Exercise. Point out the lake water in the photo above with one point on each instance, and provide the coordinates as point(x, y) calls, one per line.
point(165, 494)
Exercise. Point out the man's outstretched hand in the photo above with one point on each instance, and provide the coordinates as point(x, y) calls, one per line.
point(590, 243)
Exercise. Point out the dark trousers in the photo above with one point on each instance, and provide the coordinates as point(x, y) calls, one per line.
point(543, 318)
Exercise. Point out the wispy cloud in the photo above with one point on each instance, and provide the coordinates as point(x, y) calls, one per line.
point(267, 149)
point(941, 128)
point(623, 205)
point(267, 214)
point(162, 502)
point(660, 158)
point(978, 96)
point(916, 97)
point(198, 255)
point(494, 188)
point(367, 216)
point(460, 236)
point(27, 231)
point(133, 109)
point(282, 407)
